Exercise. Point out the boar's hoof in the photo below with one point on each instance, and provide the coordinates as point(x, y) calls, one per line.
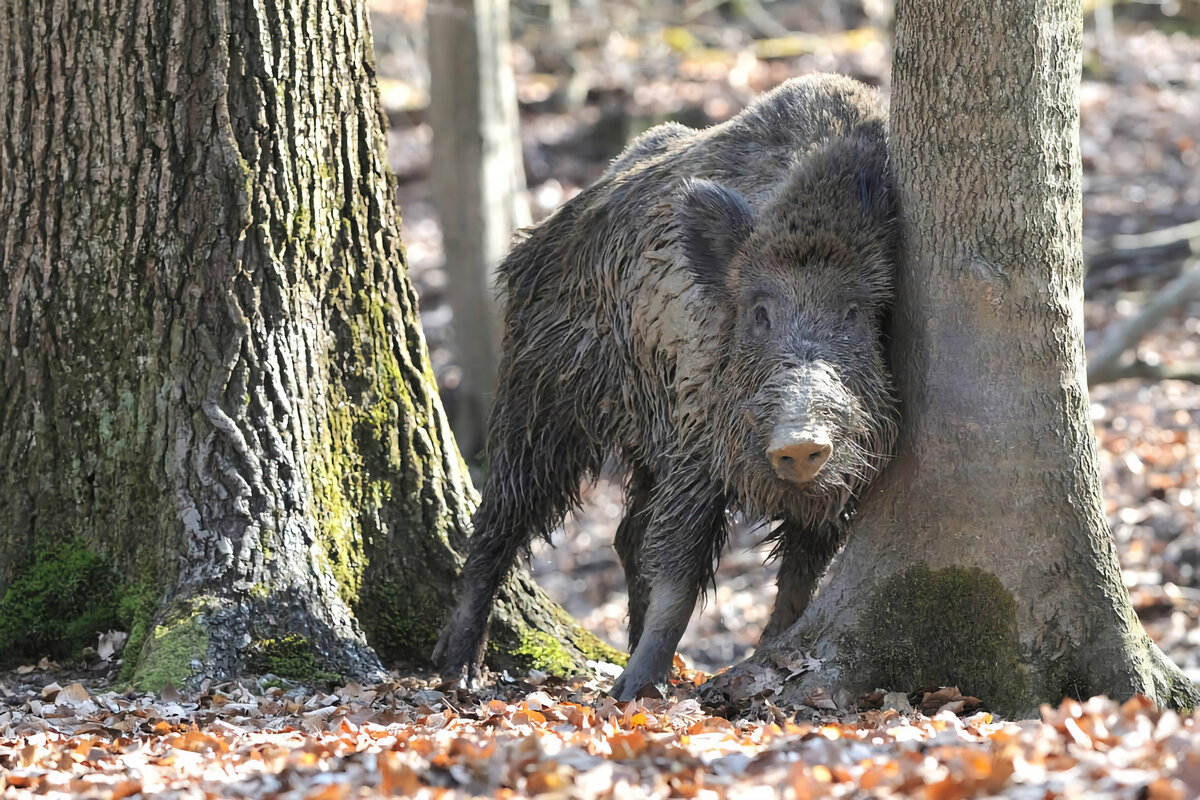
point(799, 461)
point(456, 663)
point(467, 676)
point(624, 689)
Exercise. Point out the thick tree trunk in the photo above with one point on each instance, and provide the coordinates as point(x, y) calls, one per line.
point(981, 557)
point(213, 385)
point(478, 182)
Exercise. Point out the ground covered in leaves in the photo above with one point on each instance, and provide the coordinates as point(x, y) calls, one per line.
point(567, 739)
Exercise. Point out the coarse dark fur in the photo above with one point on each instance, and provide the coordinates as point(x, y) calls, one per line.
point(713, 288)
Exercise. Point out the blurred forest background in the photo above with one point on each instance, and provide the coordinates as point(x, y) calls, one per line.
point(591, 74)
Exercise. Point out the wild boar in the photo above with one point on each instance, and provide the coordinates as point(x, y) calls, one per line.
point(713, 313)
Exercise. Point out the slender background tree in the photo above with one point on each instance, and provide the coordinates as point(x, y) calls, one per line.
point(479, 185)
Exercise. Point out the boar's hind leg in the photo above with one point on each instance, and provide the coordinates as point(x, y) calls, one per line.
point(528, 491)
point(628, 544)
point(686, 530)
point(804, 553)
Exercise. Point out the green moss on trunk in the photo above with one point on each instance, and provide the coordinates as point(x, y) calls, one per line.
point(591, 646)
point(530, 648)
point(533, 650)
point(404, 625)
point(220, 393)
point(137, 607)
point(953, 626)
point(291, 657)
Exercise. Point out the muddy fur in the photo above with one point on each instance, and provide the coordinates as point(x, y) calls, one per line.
point(712, 287)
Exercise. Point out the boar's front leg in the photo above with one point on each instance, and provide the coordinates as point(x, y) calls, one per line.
point(630, 535)
point(804, 552)
point(686, 531)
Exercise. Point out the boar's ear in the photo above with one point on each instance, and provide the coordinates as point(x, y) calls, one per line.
point(714, 223)
point(876, 194)
point(877, 198)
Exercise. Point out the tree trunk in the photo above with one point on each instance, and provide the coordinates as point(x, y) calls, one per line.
point(478, 183)
point(981, 557)
point(218, 422)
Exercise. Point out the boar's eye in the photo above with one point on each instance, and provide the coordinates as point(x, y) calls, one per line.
point(762, 318)
point(851, 313)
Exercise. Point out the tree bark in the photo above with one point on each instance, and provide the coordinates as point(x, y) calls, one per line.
point(213, 381)
point(478, 182)
point(981, 557)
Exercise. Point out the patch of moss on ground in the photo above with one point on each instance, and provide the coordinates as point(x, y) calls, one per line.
point(945, 627)
point(170, 652)
point(58, 604)
point(538, 650)
point(290, 657)
point(136, 610)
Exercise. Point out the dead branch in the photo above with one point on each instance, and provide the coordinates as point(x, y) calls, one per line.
point(1126, 242)
point(1106, 365)
point(1138, 368)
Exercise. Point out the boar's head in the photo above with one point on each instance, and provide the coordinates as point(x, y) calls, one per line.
point(805, 413)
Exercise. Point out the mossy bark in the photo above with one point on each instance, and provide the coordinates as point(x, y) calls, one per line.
point(212, 373)
point(981, 558)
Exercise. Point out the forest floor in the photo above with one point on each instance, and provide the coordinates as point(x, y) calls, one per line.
point(566, 739)
point(62, 734)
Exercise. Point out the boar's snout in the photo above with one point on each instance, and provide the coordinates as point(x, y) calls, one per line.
point(799, 412)
point(797, 456)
